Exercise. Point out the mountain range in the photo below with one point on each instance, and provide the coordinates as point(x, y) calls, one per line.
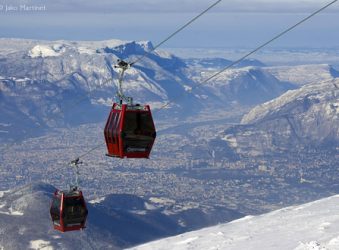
point(46, 84)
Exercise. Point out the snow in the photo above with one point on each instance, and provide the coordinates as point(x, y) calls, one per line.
point(98, 200)
point(101, 101)
point(50, 49)
point(319, 91)
point(47, 50)
point(231, 140)
point(2, 193)
point(163, 201)
point(160, 105)
point(187, 88)
point(11, 211)
point(40, 245)
point(311, 226)
point(85, 50)
point(139, 212)
point(101, 44)
point(186, 241)
point(15, 212)
point(164, 54)
point(312, 245)
point(149, 206)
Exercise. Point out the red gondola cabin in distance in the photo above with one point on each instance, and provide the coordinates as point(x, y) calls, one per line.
point(129, 131)
point(68, 210)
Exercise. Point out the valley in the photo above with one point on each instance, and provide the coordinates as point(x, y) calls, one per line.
point(255, 139)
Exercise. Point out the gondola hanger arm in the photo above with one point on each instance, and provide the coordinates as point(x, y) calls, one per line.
point(123, 66)
point(75, 163)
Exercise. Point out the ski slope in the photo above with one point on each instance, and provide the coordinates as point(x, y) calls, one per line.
point(311, 226)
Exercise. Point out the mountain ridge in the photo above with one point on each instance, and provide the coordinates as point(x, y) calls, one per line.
point(305, 117)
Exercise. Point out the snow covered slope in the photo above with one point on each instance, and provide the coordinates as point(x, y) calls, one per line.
point(313, 226)
point(245, 86)
point(319, 98)
point(306, 117)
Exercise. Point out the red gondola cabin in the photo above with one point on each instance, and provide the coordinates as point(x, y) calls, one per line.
point(68, 210)
point(130, 131)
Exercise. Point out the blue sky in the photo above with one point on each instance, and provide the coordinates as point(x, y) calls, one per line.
point(231, 24)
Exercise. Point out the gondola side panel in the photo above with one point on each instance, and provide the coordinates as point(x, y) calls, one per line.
point(107, 133)
point(121, 135)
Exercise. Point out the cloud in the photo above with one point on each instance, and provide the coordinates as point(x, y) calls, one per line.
point(168, 6)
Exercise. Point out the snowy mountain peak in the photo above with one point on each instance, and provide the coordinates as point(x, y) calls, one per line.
point(147, 45)
point(127, 49)
point(47, 50)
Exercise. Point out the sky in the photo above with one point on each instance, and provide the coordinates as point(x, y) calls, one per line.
point(230, 24)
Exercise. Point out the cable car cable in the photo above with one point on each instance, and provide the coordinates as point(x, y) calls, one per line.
point(175, 32)
point(91, 150)
point(256, 49)
point(269, 41)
